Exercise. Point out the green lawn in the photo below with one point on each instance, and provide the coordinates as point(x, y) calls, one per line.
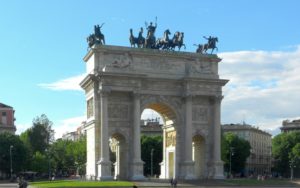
point(259, 182)
point(74, 183)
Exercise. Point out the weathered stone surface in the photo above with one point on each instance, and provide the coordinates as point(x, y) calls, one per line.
point(183, 87)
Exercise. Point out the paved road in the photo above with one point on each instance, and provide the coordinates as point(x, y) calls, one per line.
point(8, 185)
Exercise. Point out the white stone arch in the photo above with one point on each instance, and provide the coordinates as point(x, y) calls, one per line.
point(168, 82)
point(168, 106)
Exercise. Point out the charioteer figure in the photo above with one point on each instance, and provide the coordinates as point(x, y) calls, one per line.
point(150, 39)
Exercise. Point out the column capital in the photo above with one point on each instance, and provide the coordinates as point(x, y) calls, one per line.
point(136, 94)
point(104, 92)
point(216, 99)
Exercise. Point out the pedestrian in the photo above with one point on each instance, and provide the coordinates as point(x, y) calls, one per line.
point(174, 182)
point(171, 182)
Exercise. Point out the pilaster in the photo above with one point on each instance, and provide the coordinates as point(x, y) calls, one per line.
point(188, 165)
point(104, 164)
point(137, 163)
point(218, 163)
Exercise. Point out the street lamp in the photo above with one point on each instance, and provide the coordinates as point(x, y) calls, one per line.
point(49, 173)
point(11, 170)
point(152, 162)
point(231, 154)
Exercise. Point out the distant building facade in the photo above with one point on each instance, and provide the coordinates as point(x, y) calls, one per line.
point(288, 126)
point(7, 119)
point(151, 128)
point(75, 135)
point(259, 161)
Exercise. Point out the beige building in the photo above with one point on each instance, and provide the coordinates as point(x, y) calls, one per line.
point(151, 128)
point(288, 125)
point(75, 135)
point(259, 161)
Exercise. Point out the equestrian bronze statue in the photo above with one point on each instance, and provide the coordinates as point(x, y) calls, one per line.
point(211, 44)
point(97, 37)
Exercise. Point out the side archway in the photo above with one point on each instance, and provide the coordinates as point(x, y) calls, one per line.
point(199, 151)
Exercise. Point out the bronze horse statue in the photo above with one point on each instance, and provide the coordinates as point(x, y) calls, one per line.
point(177, 41)
point(139, 41)
point(211, 44)
point(164, 43)
point(97, 37)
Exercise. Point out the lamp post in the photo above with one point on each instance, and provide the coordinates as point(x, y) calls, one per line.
point(49, 174)
point(11, 170)
point(152, 162)
point(231, 154)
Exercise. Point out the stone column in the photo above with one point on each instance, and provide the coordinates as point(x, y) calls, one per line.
point(137, 164)
point(218, 163)
point(188, 164)
point(104, 164)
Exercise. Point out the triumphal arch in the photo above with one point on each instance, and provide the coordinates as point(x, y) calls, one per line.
point(183, 87)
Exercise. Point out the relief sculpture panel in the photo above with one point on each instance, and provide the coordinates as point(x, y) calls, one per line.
point(200, 114)
point(118, 111)
point(171, 138)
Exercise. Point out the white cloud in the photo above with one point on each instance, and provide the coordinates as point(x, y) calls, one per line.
point(71, 83)
point(67, 125)
point(21, 127)
point(263, 89)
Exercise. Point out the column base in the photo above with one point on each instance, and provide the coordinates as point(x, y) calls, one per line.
point(188, 168)
point(104, 170)
point(137, 170)
point(162, 170)
point(218, 170)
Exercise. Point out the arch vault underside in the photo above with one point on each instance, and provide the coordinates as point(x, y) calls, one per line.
point(183, 87)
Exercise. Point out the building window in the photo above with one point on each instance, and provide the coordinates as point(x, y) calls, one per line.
point(3, 118)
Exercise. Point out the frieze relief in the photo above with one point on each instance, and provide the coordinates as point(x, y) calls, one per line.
point(121, 82)
point(160, 85)
point(204, 87)
point(158, 65)
point(118, 60)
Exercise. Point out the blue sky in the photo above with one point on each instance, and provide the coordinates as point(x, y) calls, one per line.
point(42, 44)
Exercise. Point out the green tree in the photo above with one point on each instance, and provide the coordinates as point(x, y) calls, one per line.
point(147, 144)
point(238, 148)
point(39, 163)
point(18, 151)
point(284, 149)
point(39, 136)
point(69, 156)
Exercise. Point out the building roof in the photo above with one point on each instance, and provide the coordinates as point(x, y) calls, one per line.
point(243, 127)
point(4, 106)
point(290, 125)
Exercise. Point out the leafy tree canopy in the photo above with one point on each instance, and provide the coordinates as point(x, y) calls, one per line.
point(238, 148)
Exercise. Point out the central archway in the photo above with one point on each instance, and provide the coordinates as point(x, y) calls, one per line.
point(169, 118)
